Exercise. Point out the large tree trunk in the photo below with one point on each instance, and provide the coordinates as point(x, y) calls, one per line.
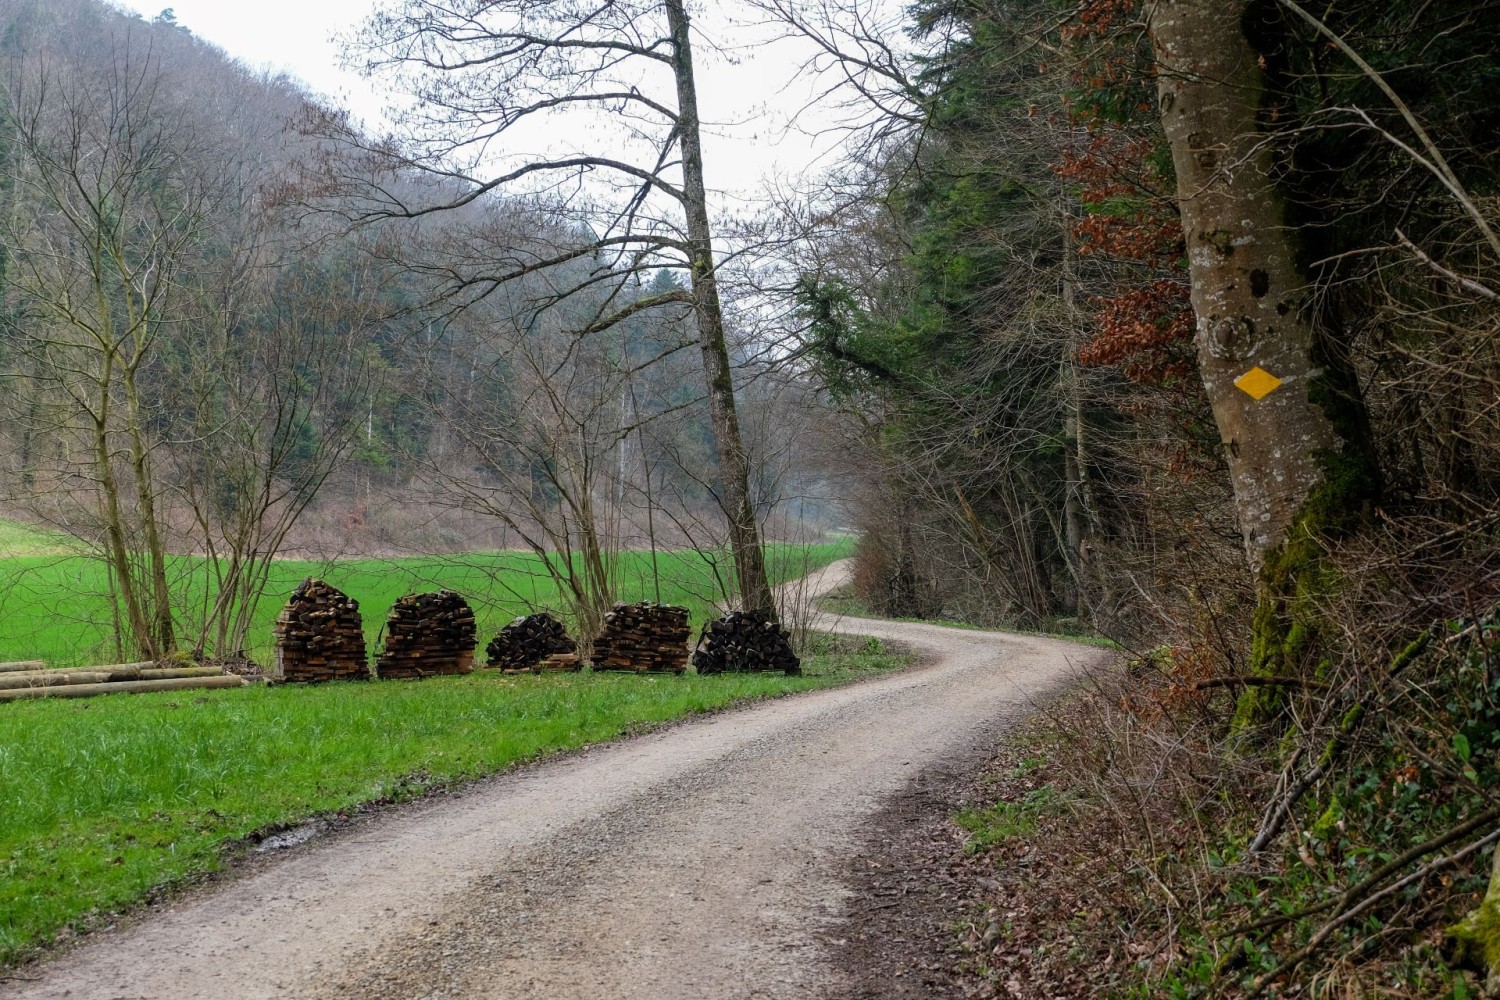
point(734, 464)
point(1249, 288)
point(1290, 422)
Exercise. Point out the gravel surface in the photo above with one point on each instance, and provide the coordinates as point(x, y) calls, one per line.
point(709, 859)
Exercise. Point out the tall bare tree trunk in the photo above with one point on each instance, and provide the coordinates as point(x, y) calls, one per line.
point(734, 464)
point(114, 529)
point(1079, 505)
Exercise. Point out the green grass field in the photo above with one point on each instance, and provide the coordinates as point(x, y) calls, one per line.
point(55, 607)
point(104, 800)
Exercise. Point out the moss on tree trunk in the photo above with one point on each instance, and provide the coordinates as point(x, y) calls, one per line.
point(1475, 940)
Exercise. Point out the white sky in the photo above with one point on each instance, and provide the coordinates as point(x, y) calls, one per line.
point(749, 96)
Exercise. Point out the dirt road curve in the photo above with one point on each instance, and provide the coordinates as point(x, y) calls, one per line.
point(702, 861)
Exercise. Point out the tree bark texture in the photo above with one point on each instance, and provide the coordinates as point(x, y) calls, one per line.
point(1249, 290)
point(734, 465)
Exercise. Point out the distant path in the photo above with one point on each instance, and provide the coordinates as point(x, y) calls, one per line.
point(700, 861)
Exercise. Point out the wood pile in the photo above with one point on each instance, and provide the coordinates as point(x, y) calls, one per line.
point(560, 663)
point(121, 678)
point(645, 638)
point(526, 642)
point(428, 635)
point(320, 636)
point(744, 641)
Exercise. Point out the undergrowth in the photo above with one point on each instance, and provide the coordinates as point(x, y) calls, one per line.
point(1327, 856)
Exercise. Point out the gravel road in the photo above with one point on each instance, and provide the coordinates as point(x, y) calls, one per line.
point(704, 860)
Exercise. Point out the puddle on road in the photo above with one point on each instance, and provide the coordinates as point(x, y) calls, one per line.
point(294, 837)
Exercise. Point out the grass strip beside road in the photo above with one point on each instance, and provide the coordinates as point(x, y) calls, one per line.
point(105, 801)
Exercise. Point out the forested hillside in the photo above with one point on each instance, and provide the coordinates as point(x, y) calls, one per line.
point(1179, 320)
point(221, 340)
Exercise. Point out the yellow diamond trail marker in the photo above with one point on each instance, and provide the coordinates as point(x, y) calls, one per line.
point(1257, 383)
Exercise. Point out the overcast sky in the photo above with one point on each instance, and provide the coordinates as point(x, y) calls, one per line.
point(749, 96)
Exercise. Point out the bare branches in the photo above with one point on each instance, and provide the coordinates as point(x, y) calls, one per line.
point(1434, 160)
point(1467, 284)
point(866, 63)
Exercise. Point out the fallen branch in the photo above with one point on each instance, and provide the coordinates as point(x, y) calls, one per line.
point(1364, 906)
point(1218, 682)
point(1276, 814)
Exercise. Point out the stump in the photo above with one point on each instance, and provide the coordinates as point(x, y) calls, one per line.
point(320, 636)
point(526, 642)
point(745, 641)
point(644, 638)
point(428, 635)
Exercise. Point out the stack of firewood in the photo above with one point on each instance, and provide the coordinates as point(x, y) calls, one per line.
point(526, 642)
point(745, 641)
point(646, 638)
point(427, 635)
point(320, 636)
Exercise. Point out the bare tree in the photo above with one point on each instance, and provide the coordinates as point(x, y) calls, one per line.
point(1250, 294)
point(536, 424)
point(270, 402)
point(492, 74)
point(120, 194)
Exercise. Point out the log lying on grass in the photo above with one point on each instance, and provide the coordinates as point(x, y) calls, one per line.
point(22, 665)
point(645, 638)
point(122, 673)
point(745, 641)
point(124, 687)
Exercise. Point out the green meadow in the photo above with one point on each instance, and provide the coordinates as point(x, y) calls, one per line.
point(55, 606)
point(17, 539)
point(105, 801)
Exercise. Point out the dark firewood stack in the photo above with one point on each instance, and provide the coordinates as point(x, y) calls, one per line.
point(525, 642)
point(320, 636)
point(645, 638)
point(428, 635)
point(744, 641)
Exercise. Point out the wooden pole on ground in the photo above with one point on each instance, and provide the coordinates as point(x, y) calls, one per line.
point(101, 675)
point(23, 665)
point(124, 687)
